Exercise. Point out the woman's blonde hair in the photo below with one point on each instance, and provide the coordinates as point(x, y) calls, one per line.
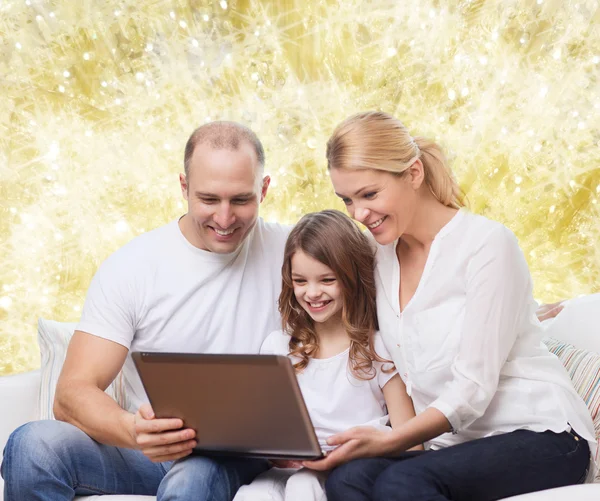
point(333, 239)
point(376, 140)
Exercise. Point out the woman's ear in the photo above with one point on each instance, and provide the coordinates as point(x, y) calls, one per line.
point(416, 174)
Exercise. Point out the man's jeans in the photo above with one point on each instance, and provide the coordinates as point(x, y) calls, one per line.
point(481, 470)
point(55, 461)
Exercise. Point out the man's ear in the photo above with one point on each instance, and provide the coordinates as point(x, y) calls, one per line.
point(265, 187)
point(184, 186)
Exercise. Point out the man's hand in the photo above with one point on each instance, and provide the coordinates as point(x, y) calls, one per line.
point(547, 311)
point(161, 439)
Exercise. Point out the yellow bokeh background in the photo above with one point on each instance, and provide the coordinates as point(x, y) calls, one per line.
point(99, 97)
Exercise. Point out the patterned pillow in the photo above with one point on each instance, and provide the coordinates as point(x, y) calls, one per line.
point(53, 338)
point(584, 370)
point(583, 367)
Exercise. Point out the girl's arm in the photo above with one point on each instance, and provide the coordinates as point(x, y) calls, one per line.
point(399, 404)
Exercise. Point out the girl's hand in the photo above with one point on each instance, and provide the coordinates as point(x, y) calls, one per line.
point(360, 442)
point(286, 463)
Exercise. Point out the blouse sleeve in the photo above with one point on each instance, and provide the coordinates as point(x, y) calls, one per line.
point(498, 287)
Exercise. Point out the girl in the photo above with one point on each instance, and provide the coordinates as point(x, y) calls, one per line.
point(328, 310)
point(455, 307)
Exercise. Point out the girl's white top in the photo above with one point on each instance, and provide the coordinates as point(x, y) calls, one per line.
point(336, 400)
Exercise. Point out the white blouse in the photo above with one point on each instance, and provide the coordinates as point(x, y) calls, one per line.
point(469, 344)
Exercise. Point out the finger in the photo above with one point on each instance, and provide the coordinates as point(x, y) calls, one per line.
point(145, 440)
point(172, 457)
point(158, 425)
point(343, 437)
point(552, 312)
point(146, 411)
point(169, 450)
point(321, 464)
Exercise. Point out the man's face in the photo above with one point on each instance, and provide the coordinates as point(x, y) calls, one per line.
point(223, 195)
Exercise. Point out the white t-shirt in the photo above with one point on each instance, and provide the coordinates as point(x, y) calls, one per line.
point(336, 400)
point(469, 343)
point(160, 293)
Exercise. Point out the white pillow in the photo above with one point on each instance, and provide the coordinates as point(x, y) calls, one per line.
point(53, 338)
point(578, 323)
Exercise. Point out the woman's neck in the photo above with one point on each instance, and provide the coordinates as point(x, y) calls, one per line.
point(427, 222)
point(332, 336)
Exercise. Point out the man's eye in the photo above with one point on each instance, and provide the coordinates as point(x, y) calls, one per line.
point(240, 201)
point(209, 201)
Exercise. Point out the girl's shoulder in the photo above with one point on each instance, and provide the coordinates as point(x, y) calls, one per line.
point(276, 343)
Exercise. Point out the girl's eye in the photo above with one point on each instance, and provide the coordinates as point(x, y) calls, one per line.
point(299, 281)
point(328, 280)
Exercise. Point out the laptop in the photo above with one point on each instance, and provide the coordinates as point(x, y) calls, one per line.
point(239, 405)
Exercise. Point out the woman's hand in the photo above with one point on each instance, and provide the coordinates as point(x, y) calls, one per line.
point(360, 442)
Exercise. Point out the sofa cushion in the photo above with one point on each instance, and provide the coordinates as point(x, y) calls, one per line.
point(53, 338)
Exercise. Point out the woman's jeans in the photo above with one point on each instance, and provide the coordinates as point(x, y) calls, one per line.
point(55, 461)
point(486, 469)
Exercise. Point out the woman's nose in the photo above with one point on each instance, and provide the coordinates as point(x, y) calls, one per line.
point(361, 214)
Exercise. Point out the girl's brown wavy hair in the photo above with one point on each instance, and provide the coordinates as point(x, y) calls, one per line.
point(333, 239)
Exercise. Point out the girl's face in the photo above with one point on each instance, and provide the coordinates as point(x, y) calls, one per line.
point(383, 202)
point(316, 288)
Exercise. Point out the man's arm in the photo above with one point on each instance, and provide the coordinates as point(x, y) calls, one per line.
point(90, 366)
point(547, 311)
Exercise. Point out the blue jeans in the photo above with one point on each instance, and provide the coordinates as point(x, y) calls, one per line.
point(480, 470)
point(55, 461)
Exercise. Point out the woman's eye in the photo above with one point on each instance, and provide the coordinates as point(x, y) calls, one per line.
point(370, 195)
point(346, 201)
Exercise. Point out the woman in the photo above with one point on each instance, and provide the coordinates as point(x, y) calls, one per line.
point(454, 300)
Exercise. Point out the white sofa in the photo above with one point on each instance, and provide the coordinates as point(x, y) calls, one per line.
point(578, 324)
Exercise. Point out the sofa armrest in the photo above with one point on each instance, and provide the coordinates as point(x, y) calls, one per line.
point(19, 395)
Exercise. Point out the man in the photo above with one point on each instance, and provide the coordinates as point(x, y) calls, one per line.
point(208, 282)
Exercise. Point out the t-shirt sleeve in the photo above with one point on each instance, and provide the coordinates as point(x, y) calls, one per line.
point(109, 308)
point(277, 343)
point(381, 350)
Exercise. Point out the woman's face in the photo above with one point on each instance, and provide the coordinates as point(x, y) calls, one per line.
point(385, 203)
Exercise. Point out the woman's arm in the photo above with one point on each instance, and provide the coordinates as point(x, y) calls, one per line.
point(498, 291)
point(399, 404)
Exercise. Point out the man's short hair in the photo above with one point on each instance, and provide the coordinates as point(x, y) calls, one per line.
point(223, 135)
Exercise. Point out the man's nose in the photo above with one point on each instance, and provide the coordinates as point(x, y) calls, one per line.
point(224, 216)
